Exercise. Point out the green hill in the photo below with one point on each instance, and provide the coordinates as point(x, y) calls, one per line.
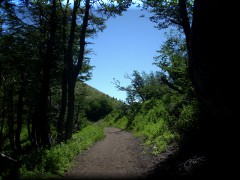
point(93, 104)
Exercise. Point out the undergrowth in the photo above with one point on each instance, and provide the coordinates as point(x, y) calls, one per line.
point(53, 162)
point(159, 123)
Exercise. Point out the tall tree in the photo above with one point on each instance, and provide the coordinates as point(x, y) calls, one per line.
point(74, 67)
point(69, 125)
point(20, 107)
point(41, 118)
point(173, 13)
point(209, 71)
point(73, 72)
point(173, 61)
point(10, 118)
point(61, 118)
point(212, 74)
point(33, 36)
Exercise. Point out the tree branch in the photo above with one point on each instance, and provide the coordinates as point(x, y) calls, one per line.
point(171, 86)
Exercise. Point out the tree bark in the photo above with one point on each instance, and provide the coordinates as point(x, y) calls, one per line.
point(42, 119)
point(70, 115)
point(69, 55)
point(73, 73)
point(185, 23)
point(3, 112)
point(63, 108)
point(19, 112)
point(82, 40)
point(212, 73)
point(29, 124)
point(10, 118)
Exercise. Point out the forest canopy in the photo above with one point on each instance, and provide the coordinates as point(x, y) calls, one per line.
point(43, 63)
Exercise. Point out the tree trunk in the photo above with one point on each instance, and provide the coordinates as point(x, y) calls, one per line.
point(42, 126)
point(19, 112)
point(3, 109)
point(10, 118)
point(82, 40)
point(30, 116)
point(185, 23)
point(63, 108)
point(71, 84)
point(34, 135)
point(42, 119)
point(73, 73)
point(213, 74)
point(61, 118)
point(1, 131)
point(70, 115)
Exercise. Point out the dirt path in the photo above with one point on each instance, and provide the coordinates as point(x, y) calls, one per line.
point(118, 156)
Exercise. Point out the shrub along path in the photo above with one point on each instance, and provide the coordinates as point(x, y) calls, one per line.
point(118, 156)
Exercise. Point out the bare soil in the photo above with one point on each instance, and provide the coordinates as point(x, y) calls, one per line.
point(119, 155)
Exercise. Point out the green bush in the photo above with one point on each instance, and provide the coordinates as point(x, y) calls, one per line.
point(122, 123)
point(188, 118)
point(56, 160)
point(150, 122)
point(157, 135)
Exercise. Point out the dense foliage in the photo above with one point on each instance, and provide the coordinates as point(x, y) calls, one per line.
point(43, 59)
point(161, 106)
point(53, 162)
point(43, 64)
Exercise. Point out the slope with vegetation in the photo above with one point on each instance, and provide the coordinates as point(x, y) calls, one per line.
point(55, 160)
point(161, 106)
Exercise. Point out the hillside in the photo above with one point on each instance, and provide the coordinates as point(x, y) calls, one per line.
point(93, 103)
point(91, 91)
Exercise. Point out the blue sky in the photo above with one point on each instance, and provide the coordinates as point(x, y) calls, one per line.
point(128, 43)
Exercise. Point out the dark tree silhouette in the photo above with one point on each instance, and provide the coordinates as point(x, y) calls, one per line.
point(213, 74)
point(42, 112)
